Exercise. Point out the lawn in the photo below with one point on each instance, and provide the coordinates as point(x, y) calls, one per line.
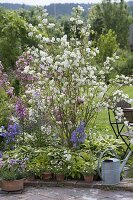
point(102, 122)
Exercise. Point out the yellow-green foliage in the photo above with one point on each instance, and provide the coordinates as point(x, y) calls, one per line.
point(107, 45)
point(4, 108)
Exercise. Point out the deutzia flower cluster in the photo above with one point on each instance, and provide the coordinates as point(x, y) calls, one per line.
point(62, 80)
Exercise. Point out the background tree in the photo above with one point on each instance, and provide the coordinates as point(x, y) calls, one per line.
point(65, 23)
point(13, 37)
point(107, 45)
point(111, 15)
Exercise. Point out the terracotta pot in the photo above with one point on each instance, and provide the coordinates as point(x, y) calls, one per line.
point(88, 178)
point(11, 186)
point(60, 177)
point(46, 176)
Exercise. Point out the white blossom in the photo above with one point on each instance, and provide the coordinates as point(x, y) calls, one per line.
point(45, 21)
point(51, 25)
point(72, 19)
point(30, 34)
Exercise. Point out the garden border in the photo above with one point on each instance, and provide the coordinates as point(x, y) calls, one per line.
point(125, 184)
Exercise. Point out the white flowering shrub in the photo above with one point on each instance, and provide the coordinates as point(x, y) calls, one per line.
point(65, 87)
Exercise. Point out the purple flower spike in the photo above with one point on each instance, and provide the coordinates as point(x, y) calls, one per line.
point(20, 109)
point(78, 136)
point(10, 134)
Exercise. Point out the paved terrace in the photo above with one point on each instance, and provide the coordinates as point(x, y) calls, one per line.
point(57, 193)
point(72, 190)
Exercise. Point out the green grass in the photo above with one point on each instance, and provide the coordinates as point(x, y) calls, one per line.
point(129, 91)
point(102, 125)
point(102, 122)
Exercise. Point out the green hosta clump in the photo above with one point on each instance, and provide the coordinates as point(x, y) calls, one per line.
point(39, 163)
point(90, 163)
point(73, 163)
point(98, 143)
point(66, 87)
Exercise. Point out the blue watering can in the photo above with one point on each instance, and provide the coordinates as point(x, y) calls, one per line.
point(110, 169)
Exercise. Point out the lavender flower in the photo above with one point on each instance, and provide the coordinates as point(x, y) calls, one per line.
point(78, 136)
point(20, 109)
point(10, 91)
point(24, 61)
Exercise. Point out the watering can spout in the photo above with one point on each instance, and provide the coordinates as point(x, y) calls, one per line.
point(125, 161)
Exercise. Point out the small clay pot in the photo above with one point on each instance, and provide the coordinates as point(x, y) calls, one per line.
point(46, 176)
point(88, 178)
point(10, 186)
point(60, 177)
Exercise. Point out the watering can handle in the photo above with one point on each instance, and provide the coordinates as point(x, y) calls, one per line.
point(99, 160)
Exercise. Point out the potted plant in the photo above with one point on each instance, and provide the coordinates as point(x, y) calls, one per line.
point(39, 166)
point(59, 159)
point(89, 170)
point(59, 172)
point(34, 169)
point(12, 172)
point(47, 173)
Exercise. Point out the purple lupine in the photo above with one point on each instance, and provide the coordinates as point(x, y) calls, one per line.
point(13, 129)
point(10, 134)
point(20, 109)
point(78, 136)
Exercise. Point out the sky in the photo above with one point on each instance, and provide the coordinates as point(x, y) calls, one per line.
point(47, 2)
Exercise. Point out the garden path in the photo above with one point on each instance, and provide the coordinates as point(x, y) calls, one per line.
point(56, 193)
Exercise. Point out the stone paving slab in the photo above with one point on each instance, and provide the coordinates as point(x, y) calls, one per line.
point(58, 193)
